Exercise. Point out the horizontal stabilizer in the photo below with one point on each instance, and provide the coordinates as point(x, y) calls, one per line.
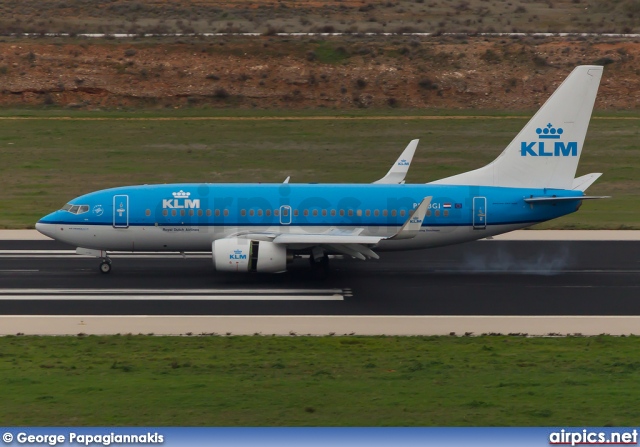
point(582, 183)
point(399, 170)
point(563, 199)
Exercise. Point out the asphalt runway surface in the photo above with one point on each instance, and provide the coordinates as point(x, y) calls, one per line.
point(499, 278)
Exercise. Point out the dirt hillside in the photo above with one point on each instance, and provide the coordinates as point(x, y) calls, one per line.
point(292, 73)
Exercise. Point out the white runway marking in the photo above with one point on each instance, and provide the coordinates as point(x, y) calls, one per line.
point(170, 291)
point(176, 294)
point(173, 297)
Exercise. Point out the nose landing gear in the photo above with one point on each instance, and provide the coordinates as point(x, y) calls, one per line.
point(105, 265)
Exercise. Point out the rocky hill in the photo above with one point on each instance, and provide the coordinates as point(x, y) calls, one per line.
point(306, 72)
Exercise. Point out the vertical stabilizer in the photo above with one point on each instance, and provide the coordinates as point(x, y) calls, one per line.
point(546, 152)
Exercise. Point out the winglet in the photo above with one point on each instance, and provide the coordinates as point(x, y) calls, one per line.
point(399, 170)
point(413, 224)
point(287, 179)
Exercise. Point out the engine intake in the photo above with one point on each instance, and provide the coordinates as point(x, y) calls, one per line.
point(245, 255)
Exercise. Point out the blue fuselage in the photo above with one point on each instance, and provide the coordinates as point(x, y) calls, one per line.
point(190, 216)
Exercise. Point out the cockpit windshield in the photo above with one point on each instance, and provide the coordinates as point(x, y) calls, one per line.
point(75, 209)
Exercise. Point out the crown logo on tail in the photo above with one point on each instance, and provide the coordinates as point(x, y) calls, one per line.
point(549, 132)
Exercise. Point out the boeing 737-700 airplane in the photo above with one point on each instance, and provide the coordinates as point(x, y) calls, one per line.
point(262, 227)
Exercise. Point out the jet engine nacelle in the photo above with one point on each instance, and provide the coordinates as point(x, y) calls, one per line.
point(244, 255)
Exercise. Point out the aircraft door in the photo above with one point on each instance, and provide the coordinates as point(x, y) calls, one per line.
point(121, 211)
point(285, 215)
point(479, 213)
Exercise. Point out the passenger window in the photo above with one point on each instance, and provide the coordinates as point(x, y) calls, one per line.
point(165, 212)
point(333, 212)
point(342, 212)
point(306, 212)
point(226, 212)
point(359, 213)
point(394, 213)
point(182, 212)
point(147, 213)
point(368, 213)
point(243, 212)
point(295, 213)
point(174, 212)
point(285, 212)
point(276, 213)
point(385, 213)
point(376, 213)
point(315, 212)
point(402, 213)
point(191, 212)
point(260, 213)
point(428, 213)
point(324, 212)
point(200, 213)
point(268, 213)
point(251, 212)
point(437, 213)
point(445, 213)
point(350, 213)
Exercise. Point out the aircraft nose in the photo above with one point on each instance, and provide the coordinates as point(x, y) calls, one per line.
point(45, 228)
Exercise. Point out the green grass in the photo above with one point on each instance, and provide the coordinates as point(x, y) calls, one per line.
point(319, 381)
point(46, 162)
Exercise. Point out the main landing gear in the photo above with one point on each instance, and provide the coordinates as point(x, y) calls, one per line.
point(105, 265)
point(319, 262)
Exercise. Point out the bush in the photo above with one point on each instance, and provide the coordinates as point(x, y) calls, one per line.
point(427, 84)
point(604, 61)
point(221, 93)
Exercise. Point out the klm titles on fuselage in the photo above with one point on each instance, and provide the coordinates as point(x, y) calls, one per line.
point(558, 149)
point(181, 201)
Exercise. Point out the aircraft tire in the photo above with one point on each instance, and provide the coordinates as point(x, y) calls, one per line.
point(105, 267)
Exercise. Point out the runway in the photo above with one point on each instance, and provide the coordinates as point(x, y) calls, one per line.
point(480, 278)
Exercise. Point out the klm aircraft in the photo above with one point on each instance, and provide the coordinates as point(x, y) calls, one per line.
point(262, 227)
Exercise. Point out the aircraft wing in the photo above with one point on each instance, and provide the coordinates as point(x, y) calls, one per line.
point(347, 242)
point(399, 170)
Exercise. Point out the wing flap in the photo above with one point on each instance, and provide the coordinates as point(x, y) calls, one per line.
point(321, 239)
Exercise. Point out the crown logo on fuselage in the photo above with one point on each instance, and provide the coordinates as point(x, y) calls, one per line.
point(181, 200)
